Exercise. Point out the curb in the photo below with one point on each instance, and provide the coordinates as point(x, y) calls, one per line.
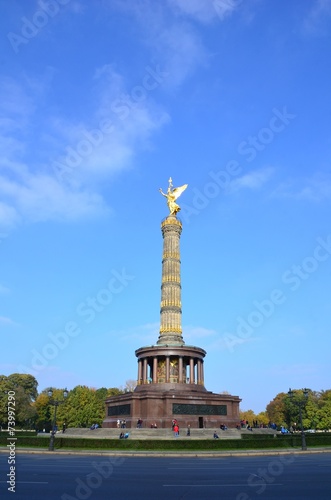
point(171, 454)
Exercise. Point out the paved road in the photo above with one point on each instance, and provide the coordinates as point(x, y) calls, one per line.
point(286, 477)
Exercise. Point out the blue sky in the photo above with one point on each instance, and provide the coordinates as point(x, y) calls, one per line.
point(101, 102)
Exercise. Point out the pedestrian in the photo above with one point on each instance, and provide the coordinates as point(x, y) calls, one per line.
point(176, 430)
point(64, 427)
point(188, 432)
point(215, 435)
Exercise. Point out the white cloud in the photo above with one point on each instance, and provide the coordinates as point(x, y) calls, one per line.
point(172, 40)
point(224, 343)
point(205, 11)
point(9, 216)
point(253, 180)
point(181, 52)
point(316, 21)
point(4, 290)
point(315, 189)
point(34, 190)
point(197, 332)
point(146, 334)
point(92, 151)
point(40, 197)
point(16, 104)
point(62, 175)
point(4, 320)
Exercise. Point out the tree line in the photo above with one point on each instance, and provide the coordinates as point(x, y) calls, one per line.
point(85, 406)
point(284, 410)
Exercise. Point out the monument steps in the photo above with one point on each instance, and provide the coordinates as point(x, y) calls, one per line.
point(147, 433)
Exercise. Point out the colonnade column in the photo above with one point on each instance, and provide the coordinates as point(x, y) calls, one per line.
point(145, 371)
point(199, 371)
point(191, 371)
point(167, 369)
point(155, 370)
point(139, 372)
point(180, 369)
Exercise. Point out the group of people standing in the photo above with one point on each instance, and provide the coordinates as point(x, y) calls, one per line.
point(121, 424)
point(175, 428)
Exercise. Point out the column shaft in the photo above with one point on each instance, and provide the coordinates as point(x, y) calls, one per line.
point(199, 371)
point(180, 369)
point(191, 371)
point(155, 370)
point(171, 307)
point(139, 372)
point(145, 371)
point(167, 369)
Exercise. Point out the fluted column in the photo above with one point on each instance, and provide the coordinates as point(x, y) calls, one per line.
point(191, 371)
point(180, 370)
point(145, 371)
point(171, 306)
point(199, 371)
point(167, 369)
point(139, 372)
point(155, 370)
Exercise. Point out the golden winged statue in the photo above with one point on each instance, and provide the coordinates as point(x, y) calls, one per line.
point(172, 194)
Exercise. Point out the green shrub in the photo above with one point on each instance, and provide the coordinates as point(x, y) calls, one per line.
point(253, 436)
point(260, 443)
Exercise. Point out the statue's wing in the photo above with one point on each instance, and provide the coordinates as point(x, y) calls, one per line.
point(178, 191)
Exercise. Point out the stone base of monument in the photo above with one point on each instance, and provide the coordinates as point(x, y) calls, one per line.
point(190, 405)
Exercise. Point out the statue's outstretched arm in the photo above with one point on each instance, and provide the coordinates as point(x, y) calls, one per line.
point(163, 193)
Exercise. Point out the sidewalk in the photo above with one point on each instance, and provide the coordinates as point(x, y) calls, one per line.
point(172, 454)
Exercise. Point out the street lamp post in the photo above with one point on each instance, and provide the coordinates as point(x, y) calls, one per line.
point(300, 404)
point(55, 403)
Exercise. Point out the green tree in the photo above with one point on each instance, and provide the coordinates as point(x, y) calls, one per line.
point(251, 416)
point(114, 391)
point(43, 409)
point(300, 402)
point(84, 407)
point(324, 410)
point(24, 387)
point(310, 418)
point(277, 410)
point(262, 418)
point(325, 396)
point(285, 410)
point(27, 382)
point(247, 415)
point(4, 388)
